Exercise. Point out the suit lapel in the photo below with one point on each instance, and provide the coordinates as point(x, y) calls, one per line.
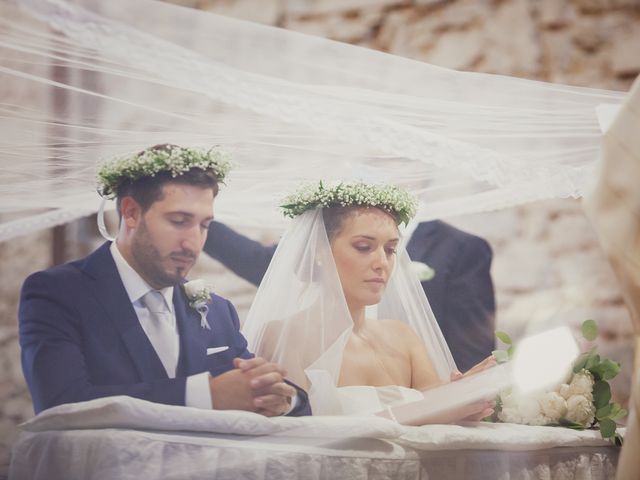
point(110, 293)
point(193, 338)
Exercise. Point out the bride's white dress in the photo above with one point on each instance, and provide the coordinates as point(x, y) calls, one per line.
point(363, 399)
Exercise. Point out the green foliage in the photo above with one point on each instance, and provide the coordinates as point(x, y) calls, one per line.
point(602, 369)
point(174, 159)
point(605, 370)
point(504, 337)
point(569, 424)
point(388, 197)
point(601, 394)
point(607, 427)
point(589, 330)
point(501, 356)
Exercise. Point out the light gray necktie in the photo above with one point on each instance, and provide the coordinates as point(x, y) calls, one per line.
point(161, 331)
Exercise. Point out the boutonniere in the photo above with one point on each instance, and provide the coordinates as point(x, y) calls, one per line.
point(424, 271)
point(199, 295)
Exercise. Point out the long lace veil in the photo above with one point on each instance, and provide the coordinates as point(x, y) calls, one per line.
point(300, 319)
point(84, 80)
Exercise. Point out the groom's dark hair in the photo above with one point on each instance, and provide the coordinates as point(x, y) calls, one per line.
point(147, 190)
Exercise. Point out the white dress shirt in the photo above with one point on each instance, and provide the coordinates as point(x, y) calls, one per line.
point(197, 392)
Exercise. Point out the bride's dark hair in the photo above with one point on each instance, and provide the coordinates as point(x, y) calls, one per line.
point(335, 215)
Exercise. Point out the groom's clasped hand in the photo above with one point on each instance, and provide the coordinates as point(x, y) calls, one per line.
point(254, 385)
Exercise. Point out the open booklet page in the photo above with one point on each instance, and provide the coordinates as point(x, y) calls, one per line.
point(447, 403)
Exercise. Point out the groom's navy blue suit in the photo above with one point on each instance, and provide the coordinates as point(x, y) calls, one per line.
point(81, 338)
point(460, 294)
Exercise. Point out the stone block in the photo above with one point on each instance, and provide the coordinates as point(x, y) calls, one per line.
point(459, 50)
point(625, 58)
point(323, 7)
point(512, 47)
point(571, 233)
point(523, 267)
point(554, 13)
point(344, 28)
point(588, 39)
point(267, 12)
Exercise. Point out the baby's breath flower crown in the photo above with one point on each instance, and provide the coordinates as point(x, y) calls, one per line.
point(172, 158)
point(388, 197)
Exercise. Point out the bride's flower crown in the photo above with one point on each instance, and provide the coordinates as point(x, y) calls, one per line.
point(174, 159)
point(388, 197)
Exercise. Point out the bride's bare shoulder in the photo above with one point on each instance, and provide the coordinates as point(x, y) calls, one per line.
point(394, 328)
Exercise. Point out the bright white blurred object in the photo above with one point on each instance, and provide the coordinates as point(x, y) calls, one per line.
point(544, 359)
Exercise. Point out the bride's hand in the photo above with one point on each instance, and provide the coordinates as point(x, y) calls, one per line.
point(482, 410)
point(485, 364)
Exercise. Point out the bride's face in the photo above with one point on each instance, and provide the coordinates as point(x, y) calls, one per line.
point(364, 251)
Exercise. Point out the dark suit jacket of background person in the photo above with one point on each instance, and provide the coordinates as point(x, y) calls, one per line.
point(461, 292)
point(81, 338)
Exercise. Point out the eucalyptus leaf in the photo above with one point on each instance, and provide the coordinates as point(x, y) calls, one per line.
point(504, 337)
point(607, 428)
point(563, 422)
point(601, 394)
point(607, 369)
point(580, 362)
point(592, 361)
point(501, 356)
point(617, 412)
point(605, 412)
point(589, 330)
point(511, 350)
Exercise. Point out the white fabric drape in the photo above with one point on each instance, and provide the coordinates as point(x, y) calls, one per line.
point(83, 80)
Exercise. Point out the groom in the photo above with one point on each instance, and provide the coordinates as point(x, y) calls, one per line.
point(118, 322)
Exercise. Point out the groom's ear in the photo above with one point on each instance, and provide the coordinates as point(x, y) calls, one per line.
point(131, 211)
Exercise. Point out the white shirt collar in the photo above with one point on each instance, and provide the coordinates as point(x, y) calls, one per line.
point(134, 284)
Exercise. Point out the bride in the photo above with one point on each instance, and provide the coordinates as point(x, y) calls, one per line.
point(341, 309)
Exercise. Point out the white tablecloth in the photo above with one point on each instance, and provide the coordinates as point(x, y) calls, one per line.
point(124, 438)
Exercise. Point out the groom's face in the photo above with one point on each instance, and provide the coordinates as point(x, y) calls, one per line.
point(169, 236)
point(364, 251)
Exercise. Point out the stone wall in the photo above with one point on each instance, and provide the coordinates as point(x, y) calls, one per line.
point(547, 262)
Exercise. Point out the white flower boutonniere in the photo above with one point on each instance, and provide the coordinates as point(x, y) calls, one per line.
point(424, 271)
point(199, 295)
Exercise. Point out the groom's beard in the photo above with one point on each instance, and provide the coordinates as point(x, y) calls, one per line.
point(159, 270)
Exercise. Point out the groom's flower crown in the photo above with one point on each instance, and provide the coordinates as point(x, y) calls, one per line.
point(174, 159)
point(388, 197)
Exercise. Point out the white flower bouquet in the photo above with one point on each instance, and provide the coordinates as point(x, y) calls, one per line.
point(583, 401)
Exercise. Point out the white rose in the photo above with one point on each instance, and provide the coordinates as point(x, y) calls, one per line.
point(582, 384)
point(565, 391)
point(509, 415)
point(580, 410)
point(424, 271)
point(509, 400)
point(529, 407)
point(540, 420)
point(553, 406)
point(194, 287)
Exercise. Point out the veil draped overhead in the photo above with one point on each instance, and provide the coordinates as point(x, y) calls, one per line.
point(300, 319)
point(84, 80)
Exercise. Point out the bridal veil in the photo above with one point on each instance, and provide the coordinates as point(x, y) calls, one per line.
point(86, 80)
point(300, 319)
